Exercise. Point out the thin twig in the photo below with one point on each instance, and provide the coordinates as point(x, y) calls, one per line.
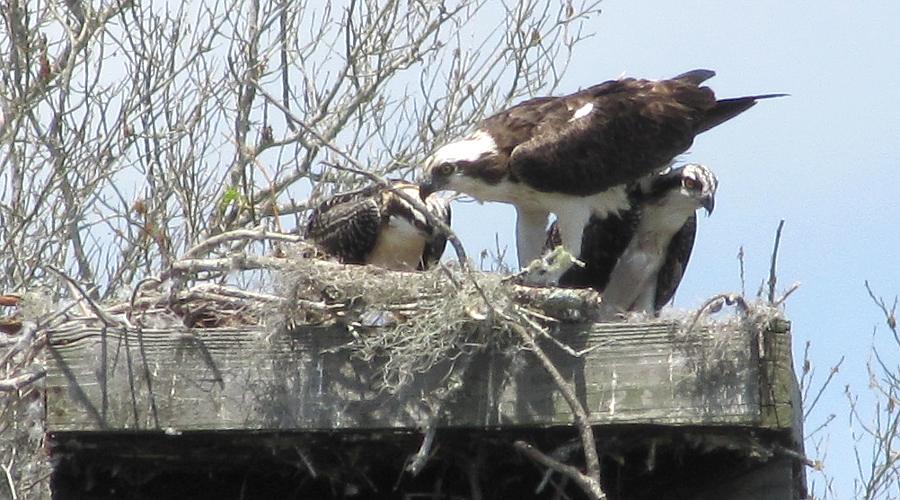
point(238, 262)
point(772, 276)
point(787, 294)
point(590, 482)
point(591, 487)
point(820, 427)
point(15, 383)
point(421, 457)
point(890, 314)
point(7, 471)
point(259, 234)
point(784, 451)
point(136, 291)
point(834, 370)
point(101, 314)
point(715, 303)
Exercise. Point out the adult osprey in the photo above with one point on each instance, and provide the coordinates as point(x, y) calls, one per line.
point(374, 226)
point(637, 258)
point(574, 155)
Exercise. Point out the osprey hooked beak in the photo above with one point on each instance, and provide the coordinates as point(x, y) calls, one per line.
point(425, 189)
point(708, 202)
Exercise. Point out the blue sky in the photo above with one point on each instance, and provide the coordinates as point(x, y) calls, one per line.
point(826, 159)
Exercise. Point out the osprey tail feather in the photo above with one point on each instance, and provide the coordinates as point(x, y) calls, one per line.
point(727, 109)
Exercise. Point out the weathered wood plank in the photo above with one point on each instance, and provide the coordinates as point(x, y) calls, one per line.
point(250, 378)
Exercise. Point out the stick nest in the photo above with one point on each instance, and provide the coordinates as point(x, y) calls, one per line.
point(410, 322)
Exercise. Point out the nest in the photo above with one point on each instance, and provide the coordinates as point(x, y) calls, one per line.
point(402, 323)
point(25, 466)
point(411, 322)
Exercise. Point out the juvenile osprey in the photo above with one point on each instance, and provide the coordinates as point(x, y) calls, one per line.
point(374, 226)
point(637, 258)
point(573, 155)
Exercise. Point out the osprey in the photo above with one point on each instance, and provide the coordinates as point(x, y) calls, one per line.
point(374, 226)
point(637, 258)
point(574, 155)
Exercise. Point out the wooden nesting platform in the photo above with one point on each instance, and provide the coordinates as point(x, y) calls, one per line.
point(176, 401)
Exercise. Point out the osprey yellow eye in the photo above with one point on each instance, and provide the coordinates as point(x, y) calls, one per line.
point(444, 169)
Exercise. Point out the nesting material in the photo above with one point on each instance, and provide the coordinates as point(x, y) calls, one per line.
point(410, 322)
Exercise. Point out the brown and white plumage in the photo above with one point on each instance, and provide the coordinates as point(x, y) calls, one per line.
point(374, 225)
point(637, 258)
point(574, 155)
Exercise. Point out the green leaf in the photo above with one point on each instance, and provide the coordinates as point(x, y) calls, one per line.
point(230, 196)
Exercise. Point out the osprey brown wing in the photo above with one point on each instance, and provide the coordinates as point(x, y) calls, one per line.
point(346, 225)
point(517, 125)
point(627, 129)
point(673, 268)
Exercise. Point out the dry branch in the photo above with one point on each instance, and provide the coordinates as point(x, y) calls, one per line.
point(18, 382)
point(589, 485)
point(772, 274)
point(590, 482)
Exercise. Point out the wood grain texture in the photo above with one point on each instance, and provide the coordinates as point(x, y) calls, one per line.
point(254, 379)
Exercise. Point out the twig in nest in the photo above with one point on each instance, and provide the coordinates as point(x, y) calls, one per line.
point(26, 340)
point(523, 314)
point(237, 293)
point(240, 262)
point(450, 276)
point(589, 482)
point(772, 278)
point(714, 304)
point(15, 383)
point(787, 294)
point(259, 234)
point(101, 314)
point(136, 291)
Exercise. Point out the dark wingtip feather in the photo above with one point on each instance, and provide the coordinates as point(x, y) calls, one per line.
point(696, 76)
point(727, 109)
point(763, 96)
